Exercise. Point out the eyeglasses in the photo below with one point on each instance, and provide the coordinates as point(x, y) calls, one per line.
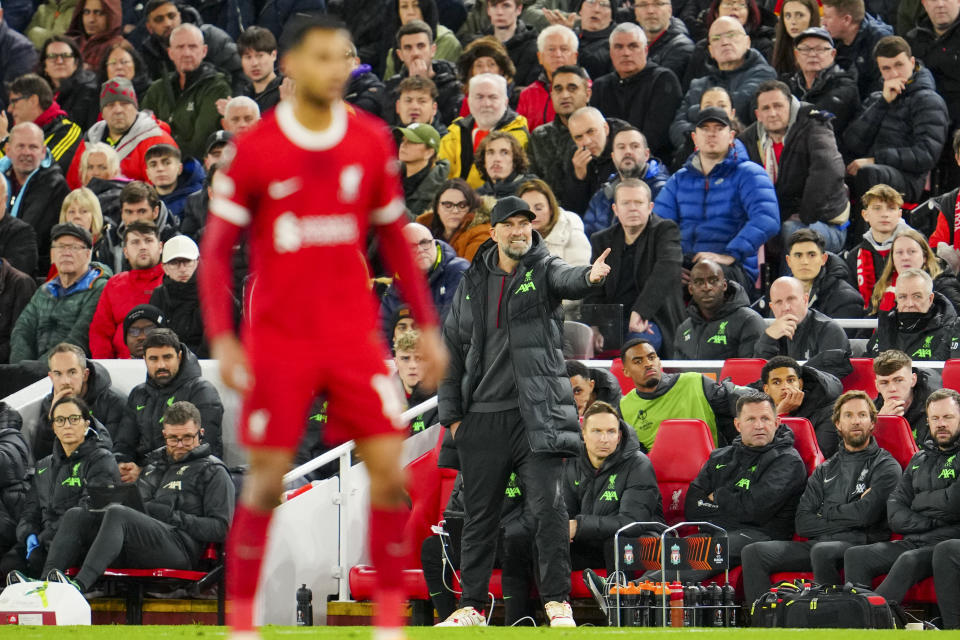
point(75, 419)
point(650, 5)
point(12, 101)
point(462, 205)
point(68, 248)
point(729, 35)
point(813, 50)
point(59, 56)
point(136, 332)
point(603, 4)
point(186, 440)
point(422, 245)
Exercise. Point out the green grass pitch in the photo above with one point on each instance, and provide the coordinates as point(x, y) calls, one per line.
point(424, 633)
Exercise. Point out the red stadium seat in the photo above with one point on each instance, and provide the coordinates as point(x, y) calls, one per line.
point(742, 371)
point(804, 441)
point(679, 451)
point(893, 433)
point(862, 377)
point(626, 384)
point(951, 374)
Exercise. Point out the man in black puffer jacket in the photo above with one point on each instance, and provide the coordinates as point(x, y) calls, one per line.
point(897, 138)
point(177, 297)
point(188, 496)
point(15, 466)
point(720, 323)
point(173, 374)
point(609, 484)
point(752, 487)
point(71, 373)
point(808, 171)
point(506, 399)
point(80, 459)
point(834, 516)
point(923, 508)
point(923, 325)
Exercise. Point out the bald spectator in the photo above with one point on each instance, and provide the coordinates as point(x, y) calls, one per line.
point(416, 50)
point(557, 47)
point(440, 266)
point(639, 91)
point(187, 97)
point(631, 159)
point(550, 143)
point(61, 310)
point(725, 205)
point(240, 114)
point(670, 43)
point(489, 111)
point(720, 323)
point(125, 128)
point(142, 249)
point(591, 164)
point(735, 67)
point(31, 100)
point(161, 17)
point(923, 325)
point(18, 240)
point(801, 332)
point(36, 185)
point(856, 34)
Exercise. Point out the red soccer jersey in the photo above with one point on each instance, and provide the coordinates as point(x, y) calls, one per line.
point(307, 200)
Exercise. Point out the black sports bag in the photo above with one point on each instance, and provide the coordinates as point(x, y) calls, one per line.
point(812, 606)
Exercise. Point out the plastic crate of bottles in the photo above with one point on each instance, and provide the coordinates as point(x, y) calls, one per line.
point(670, 604)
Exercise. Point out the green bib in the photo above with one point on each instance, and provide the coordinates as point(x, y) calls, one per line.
point(684, 400)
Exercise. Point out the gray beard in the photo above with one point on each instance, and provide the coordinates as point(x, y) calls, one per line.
point(636, 172)
point(515, 254)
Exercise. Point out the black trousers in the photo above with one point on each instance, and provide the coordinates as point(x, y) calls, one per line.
point(16, 560)
point(491, 446)
point(905, 563)
point(761, 559)
point(117, 535)
point(946, 578)
point(513, 556)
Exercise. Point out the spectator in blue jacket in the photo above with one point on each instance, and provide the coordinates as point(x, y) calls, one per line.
point(173, 179)
point(441, 267)
point(725, 205)
point(631, 158)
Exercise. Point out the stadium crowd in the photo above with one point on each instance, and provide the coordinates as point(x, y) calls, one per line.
point(750, 171)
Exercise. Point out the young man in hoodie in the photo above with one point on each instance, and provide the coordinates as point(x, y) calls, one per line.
point(720, 323)
point(882, 213)
point(610, 483)
point(804, 392)
point(96, 25)
point(903, 390)
point(834, 516)
point(173, 179)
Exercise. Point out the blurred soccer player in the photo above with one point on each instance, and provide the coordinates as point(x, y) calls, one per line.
point(305, 188)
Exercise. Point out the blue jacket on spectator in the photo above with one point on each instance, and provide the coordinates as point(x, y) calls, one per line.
point(443, 279)
point(733, 211)
point(189, 182)
point(599, 214)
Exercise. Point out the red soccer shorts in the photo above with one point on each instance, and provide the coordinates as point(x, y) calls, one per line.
point(364, 400)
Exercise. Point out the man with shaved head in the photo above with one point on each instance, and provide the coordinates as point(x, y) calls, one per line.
point(186, 98)
point(720, 323)
point(734, 66)
point(36, 186)
point(591, 164)
point(441, 267)
point(803, 333)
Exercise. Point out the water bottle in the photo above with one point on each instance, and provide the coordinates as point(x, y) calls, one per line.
point(715, 599)
point(304, 607)
point(729, 606)
point(690, 593)
point(676, 604)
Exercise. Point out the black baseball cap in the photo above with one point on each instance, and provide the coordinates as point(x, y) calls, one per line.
point(143, 311)
point(70, 229)
point(713, 114)
point(217, 138)
point(507, 207)
point(814, 32)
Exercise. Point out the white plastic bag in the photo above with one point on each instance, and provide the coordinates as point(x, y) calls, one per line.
point(40, 603)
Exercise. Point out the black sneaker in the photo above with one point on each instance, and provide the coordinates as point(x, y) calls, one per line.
point(55, 575)
point(597, 587)
point(15, 577)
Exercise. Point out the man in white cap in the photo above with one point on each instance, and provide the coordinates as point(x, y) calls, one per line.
point(177, 296)
point(422, 173)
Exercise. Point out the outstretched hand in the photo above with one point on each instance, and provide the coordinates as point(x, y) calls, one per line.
point(600, 268)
